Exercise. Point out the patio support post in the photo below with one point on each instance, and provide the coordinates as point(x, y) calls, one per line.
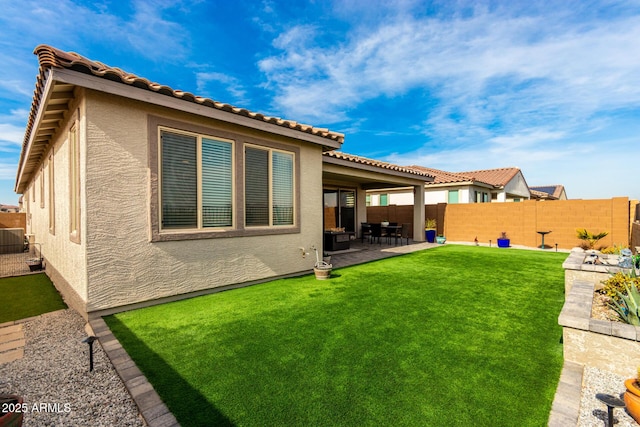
point(418, 213)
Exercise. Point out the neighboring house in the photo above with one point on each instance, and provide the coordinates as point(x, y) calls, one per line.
point(9, 208)
point(548, 192)
point(139, 192)
point(481, 186)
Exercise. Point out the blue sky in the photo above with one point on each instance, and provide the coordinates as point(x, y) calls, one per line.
point(550, 87)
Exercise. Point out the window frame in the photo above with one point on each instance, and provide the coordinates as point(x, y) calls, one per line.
point(270, 151)
point(240, 136)
point(199, 216)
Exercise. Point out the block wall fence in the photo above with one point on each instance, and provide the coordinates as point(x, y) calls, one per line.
point(13, 220)
point(521, 221)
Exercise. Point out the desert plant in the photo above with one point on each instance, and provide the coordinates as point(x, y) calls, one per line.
point(430, 223)
point(503, 235)
point(617, 283)
point(589, 239)
point(612, 250)
point(629, 306)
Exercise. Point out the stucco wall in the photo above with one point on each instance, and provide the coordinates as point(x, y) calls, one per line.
point(517, 186)
point(64, 256)
point(124, 266)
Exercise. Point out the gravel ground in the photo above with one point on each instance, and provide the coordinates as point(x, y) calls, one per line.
point(593, 413)
point(55, 371)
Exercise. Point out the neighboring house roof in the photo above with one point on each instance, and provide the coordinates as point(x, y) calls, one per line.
point(493, 177)
point(377, 163)
point(50, 101)
point(547, 191)
point(496, 177)
point(440, 176)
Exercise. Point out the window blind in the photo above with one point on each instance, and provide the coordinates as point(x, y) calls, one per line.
point(256, 187)
point(217, 183)
point(179, 181)
point(282, 183)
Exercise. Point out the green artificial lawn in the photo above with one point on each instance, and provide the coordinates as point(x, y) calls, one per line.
point(27, 296)
point(456, 336)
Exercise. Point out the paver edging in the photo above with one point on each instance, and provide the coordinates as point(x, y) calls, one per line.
point(137, 385)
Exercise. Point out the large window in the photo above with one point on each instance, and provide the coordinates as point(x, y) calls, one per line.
point(269, 187)
point(209, 183)
point(196, 181)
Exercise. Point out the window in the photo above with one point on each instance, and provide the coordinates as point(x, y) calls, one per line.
point(210, 183)
point(453, 196)
point(368, 200)
point(340, 209)
point(269, 187)
point(74, 185)
point(52, 211)
point(384, 200)
point(196, 181)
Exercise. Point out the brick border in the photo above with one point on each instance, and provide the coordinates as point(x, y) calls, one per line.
point(153, 410)
point(565, 409)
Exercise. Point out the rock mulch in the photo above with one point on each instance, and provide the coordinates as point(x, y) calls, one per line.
point(54, 379)
point(593, 413)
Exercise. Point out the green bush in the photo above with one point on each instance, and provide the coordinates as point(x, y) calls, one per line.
point(589, 239)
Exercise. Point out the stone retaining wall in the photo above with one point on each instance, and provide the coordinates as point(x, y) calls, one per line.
point(610, 346)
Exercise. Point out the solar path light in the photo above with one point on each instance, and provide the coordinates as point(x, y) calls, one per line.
point(89, 340)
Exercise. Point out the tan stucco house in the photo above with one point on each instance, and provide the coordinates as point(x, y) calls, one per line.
point(141, 194)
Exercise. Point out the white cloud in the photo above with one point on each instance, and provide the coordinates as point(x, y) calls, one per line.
point(11, 133)
point(485, 65)
point(221, 83)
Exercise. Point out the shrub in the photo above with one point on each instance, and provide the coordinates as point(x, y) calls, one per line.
point(618, 283)
point(613, 250)
point(589, 238)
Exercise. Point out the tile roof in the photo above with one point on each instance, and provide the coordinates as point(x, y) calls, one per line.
point(498, 177)
point(50, 57)
point(377, 163)
point(548, 190)
point(440, 176)
point(494, 177)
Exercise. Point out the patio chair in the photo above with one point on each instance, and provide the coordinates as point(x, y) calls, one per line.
point(376, 232)
point(404, 232)
point(365, 231)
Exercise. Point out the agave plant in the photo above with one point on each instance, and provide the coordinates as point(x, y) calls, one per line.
point(629, 306)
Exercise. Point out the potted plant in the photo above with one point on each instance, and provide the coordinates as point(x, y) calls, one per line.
point(632, 396)
point(440, 239)
point(503, 240)
point(385, 223)
point(430, 230)
point(321, 269)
